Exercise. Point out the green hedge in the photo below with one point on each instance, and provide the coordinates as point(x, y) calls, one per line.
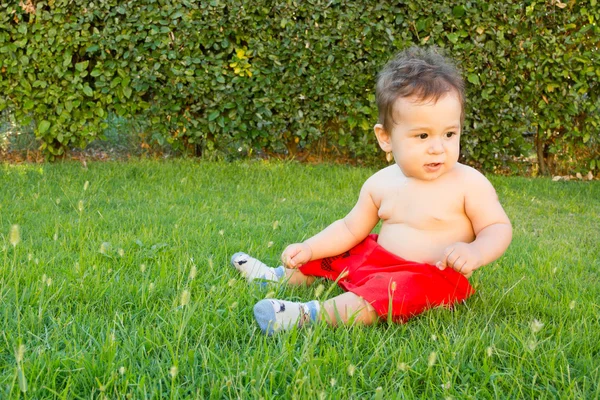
point(290, 76)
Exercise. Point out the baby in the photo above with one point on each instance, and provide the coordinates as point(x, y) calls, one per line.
point(441, 220)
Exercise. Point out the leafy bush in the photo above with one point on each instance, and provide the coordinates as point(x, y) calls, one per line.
point(288, 77)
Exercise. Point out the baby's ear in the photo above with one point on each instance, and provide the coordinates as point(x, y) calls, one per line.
point(383, 138)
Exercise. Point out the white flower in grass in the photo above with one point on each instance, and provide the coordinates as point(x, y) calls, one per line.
point(532, 344)
point(29, 257)
point(489, 351)
point(122, 370)
point(151, 286)
point(434, 337)
point(431, 359)
point(231, 282)
point(86, 185)
point(536, 326)
point(572, 305)
point(332, 382)
point(55, 237)
point(275, 225)
point(173, 371)
point(14, 236)
point(58, 201)
point(142, 268)
point(351, 370)
point(185, 298)
point(222, 232)
point(446, 385)
point(49, 282)
point(121, 252)
point(270, 244)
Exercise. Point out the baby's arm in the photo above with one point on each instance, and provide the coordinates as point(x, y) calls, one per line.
point(338, 237)
point(492, 228)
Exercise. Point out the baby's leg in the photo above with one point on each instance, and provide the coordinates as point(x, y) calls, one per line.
point(348, 308)
point(295, 277)
point(275, 315)
point(252, 269)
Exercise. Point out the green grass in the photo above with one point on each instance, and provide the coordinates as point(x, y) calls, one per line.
point(110, 323)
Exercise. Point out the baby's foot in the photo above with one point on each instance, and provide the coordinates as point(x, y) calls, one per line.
point(276, 315)
point(253, 269)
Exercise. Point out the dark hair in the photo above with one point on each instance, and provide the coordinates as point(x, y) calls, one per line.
point(420, 72)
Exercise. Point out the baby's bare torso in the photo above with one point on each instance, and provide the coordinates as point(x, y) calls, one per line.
point(421, 218)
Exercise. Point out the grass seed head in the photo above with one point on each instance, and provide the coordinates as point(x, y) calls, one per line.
point(104, 247)
point(185, 298)
point(86, 185)
point(14, 236)
point(351, 370)
point(431, 359)
point(536, 326)
point(319, 290)
point(489, 351)
point(173, 372)
point(80, 206)
point(193, 273)
point(19, 353)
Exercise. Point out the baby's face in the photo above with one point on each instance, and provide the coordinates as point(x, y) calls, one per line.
point(425, 138)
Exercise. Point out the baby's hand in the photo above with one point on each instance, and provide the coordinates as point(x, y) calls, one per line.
point(296, 255)
point(461, 257)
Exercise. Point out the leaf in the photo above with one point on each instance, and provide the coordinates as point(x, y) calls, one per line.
point(213, 115)
point(452, 37)
point(44, 126)
point(458, 11)
point(82, 66)
point(67, 59)
point(473, 78)
point(92, 48)
point(88, 91)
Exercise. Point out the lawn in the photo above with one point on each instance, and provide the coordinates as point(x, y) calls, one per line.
point(118, 285)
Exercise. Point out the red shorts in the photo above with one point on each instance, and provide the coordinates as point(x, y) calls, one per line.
point(384, 279)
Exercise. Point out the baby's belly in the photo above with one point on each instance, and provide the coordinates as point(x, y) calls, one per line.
point(425, 246)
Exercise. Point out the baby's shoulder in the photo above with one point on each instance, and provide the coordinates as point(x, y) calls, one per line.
point(379, 183)
point(383, 177)
point(470, 178)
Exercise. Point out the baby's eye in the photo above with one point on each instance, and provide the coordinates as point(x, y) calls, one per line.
point(450, 134)
point(422, 136)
